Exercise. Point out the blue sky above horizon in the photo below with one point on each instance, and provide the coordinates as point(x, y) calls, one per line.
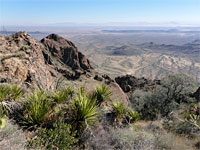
point(43, 12)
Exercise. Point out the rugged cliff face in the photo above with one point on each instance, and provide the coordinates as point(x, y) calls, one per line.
point(66, 53)
point(22, 62)
point(26, 61)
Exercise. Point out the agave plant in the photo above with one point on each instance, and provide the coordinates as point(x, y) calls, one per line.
point(101, 94)
point(119, 109)
point(4, 91)
point(8, 96)
point(61, 96)
point(37, 106)
point(10, 92)
point(133, 115)
point(84, 111)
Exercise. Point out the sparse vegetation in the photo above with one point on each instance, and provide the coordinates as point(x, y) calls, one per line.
point(67, 118)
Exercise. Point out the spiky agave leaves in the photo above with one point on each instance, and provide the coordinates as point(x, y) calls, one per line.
point(36, 108)
point(123, 114)
point(10, 92)
point(84, 111)
point(101, 94)
point(119, 109)
point(8, 96)
point(61, 96)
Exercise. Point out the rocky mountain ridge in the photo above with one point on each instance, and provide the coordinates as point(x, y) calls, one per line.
point(29, 63)
point(25, 60)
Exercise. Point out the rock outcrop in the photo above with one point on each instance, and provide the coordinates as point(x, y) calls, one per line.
point(130, 83)
point(22, 61)
point(65, 52)
point(197, 95)
point(26, 61)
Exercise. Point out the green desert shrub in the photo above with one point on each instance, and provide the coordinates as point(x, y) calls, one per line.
point(63, 95)
point(133, 116)
point(84, 111)
point(101, 94)
point(8, 98)
point(177, 123)
point(10, 92)
point(178, 87)
point(174, 90)
point(60, 136)
point(119, 110)
point(36, 108)
point(143, 103)
point(122, 114)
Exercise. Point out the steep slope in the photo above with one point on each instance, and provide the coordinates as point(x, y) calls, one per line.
point(63, 53)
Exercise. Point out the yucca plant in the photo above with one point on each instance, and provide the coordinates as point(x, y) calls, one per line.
point(84, 111)
point(133, 116)
point(36, 108)
point(8, 96)
point(101, 94)
point(61, 96)
point(16, 92)
point(10, 92)
point(119, 110)
point(122, 114)
point(4, 92)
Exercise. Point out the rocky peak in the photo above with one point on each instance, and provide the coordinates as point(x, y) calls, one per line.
point(66, 52)
point(26, 61)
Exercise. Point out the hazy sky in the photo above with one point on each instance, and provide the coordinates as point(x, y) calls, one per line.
point(35, 12)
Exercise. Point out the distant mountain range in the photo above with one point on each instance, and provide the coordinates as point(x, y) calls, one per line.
point(149, 31)
point(12, 32)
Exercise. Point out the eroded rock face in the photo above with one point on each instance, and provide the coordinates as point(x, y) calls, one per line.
point(129, 83)
point(20, 57)
point(66, 52)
